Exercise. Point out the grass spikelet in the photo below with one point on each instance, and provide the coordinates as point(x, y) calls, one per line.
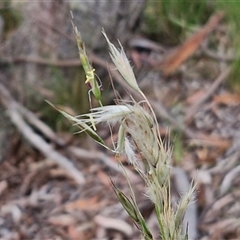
point(140, 141)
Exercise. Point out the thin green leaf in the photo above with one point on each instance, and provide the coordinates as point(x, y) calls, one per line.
point(83, 126)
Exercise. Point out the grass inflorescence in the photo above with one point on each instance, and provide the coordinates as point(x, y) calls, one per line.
point(140, 141)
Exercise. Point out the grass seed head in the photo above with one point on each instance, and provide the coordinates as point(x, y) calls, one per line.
point(121, 62)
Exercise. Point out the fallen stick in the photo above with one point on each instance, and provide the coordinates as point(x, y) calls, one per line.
point(79, 152)
point(34, 139)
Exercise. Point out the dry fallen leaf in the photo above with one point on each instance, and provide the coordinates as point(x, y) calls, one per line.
point(211, 147)
point(202, 154)
point(90, 204)
point(82, 231)
point(62, 220)
point(211, 141)
point(113, 223)
point(227, 99)
point(195, 97)
point(182, 53)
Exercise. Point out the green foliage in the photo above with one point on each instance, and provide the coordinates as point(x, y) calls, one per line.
point(167, 21)
point(234, 77)
point(71, 95)
point(178, 146)
point(10, 16)
point(231, 10)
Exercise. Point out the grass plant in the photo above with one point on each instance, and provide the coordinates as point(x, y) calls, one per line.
point(140, 141)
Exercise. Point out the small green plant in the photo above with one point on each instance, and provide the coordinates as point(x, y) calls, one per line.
point(140, 141)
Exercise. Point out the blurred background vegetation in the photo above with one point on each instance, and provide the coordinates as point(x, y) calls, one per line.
point(167, 22)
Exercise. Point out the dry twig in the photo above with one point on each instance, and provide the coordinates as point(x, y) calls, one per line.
point(16, 118)
point(112, 223)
